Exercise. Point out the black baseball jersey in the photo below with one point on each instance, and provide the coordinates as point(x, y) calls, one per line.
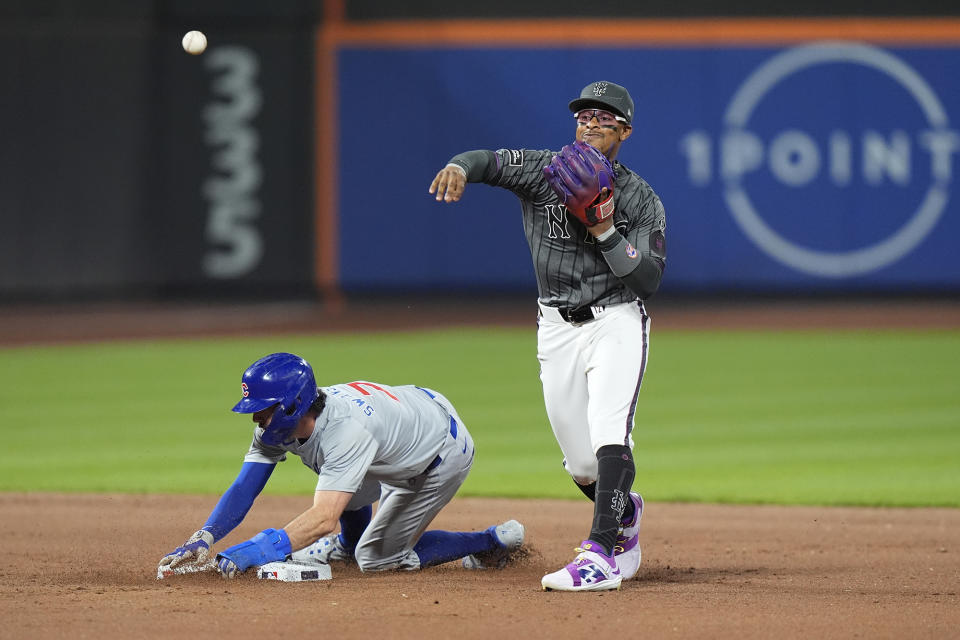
point(570, 268)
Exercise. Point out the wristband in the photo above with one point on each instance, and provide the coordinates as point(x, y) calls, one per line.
point(607, 234)
point(454, 164)
point(270, 545)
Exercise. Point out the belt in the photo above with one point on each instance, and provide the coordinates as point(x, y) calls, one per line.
point(579, 315)
point(453, 434)
point(453, 430)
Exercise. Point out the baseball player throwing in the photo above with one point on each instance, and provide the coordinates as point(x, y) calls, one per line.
point(405, 446)
point(596, 235)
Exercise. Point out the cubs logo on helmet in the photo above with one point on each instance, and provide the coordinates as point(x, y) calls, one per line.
point(282, 379)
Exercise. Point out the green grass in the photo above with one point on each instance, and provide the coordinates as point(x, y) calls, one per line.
point(792, 417)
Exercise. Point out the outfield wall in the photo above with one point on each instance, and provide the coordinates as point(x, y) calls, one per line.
point(793, 155)
point(786, 167)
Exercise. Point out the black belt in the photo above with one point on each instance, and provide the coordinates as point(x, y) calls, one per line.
point(579, 315)
point(453, 434)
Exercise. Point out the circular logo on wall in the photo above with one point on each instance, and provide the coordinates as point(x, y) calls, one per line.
point(795, 161)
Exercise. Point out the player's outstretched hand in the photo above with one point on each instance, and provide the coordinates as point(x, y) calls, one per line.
point(227, 567)
point(270, 545)
point(196, 548)
point(449, 183)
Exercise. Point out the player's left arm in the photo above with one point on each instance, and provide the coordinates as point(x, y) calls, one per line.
point(319, 520)
point(350, 451)
point(347, 456)
point(274, 545)
point(638, 255)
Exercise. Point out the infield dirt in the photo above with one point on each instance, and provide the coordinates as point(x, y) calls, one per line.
point(84, 566)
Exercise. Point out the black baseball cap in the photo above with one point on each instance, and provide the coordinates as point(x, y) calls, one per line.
point(607, 95)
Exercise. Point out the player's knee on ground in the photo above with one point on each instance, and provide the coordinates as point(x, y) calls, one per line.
point(370, 561)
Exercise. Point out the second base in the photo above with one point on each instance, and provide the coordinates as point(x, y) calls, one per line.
point(292, 572)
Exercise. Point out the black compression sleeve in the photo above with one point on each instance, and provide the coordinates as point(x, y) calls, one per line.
point(615, 474)
point(645, 279)
point(480, 165)
point(590, 490)
point(640, 274)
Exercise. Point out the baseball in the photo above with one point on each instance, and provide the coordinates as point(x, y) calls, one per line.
point(194, 42)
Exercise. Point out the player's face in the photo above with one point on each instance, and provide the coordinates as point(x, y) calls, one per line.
point(601, 130)
point(263, 417)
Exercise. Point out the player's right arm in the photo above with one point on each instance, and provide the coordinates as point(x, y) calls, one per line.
point(518, 170)
point(229, 512)
point(470, 166)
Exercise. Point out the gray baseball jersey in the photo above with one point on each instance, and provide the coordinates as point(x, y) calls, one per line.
point(570, 268)
point(367, 431)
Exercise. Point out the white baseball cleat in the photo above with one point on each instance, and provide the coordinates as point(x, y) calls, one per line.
point(626, 550)
point(591, 570)
point(509, 536)
point(323, 551)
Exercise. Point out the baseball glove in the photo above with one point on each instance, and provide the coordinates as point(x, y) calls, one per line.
point(583, 178)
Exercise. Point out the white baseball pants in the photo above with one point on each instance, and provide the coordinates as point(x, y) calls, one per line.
point(591, 375)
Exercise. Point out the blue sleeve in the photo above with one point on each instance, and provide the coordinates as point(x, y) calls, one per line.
point(234, 504)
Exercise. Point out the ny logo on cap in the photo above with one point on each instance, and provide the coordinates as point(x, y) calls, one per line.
point(599, 88)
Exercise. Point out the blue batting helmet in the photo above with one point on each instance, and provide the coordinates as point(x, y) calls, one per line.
point(281, 379)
